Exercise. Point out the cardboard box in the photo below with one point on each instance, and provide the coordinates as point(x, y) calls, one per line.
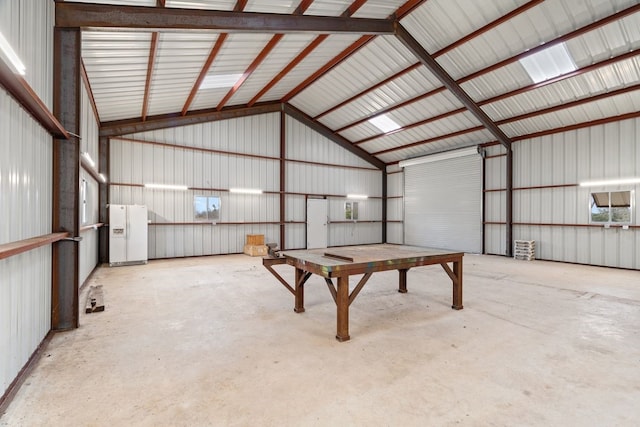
point(256, 250)
point(255, 239)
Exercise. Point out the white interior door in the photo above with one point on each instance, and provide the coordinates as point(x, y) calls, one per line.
point(317, 211)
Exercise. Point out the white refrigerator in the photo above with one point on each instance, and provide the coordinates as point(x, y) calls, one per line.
point(127, 234)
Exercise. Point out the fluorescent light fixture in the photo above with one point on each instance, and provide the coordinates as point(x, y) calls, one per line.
point(439, 156)
point(610, 182)
point(102, 177)
point(88, 158)
point(167, 187)
point(219, 81)
point(384, 123)
point(357, 196)
point(245, 190)
point(12, 56)
point(549, 63)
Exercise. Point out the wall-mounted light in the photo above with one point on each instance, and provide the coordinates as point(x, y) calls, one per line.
point(88, 158)
point(610, 182)
point(167, 187)
point(357, 196)
point(245, 190)
point(102, 177)
point(12, 56)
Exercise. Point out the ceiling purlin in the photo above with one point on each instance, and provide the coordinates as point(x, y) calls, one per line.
point(302, 7)
point(529, 115)
point(407, 8)
point(350, 50)
point(504, 18)
point(222, 37)
point(81, 15)
point(150, 64)
point(147, 84)
point(505, 62)
point(302, 55)
point(491, 25)
point(414, 46)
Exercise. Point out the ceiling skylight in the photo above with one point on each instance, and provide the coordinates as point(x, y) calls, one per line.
point(549, 63)
point(219, 81)
point(384, 123)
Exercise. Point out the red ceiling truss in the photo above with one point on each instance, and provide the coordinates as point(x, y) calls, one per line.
point(424, 58)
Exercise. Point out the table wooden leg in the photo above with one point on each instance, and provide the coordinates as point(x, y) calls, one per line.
point(342, 302)
point(457, 285)
point(402, 288)
point(299, 291)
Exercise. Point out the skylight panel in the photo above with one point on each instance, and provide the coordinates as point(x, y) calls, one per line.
point(219, 81)
point(384, 123)
point(549, 63)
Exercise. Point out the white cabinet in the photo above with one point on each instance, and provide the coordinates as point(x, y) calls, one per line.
point(127, 234)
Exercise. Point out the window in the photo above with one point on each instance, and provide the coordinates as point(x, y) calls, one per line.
point(351, 210)
point(612, 207)
point(207, 208)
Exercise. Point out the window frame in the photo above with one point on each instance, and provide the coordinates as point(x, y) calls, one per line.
point(609, 209)
point(208, 201)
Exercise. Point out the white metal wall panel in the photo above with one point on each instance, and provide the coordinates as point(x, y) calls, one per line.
point(395, 205)
point(443, 204)
point(138, 163)
point(596, 153)
point(27, 27)
point(358, 177)
point(25, 191)
point(495, 202)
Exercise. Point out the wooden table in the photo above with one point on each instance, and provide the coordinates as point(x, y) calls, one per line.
point(343, 262)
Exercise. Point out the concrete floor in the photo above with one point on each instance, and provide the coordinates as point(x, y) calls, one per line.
point(214, 341)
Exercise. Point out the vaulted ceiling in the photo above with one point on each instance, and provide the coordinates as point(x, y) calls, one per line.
point(448, 73)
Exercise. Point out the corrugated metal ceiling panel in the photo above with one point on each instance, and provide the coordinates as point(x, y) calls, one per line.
point(118, 2)
point(378, 8)
point(179, 59)
point(237, 53)
point(202, 4)
point(439, 23)
point(421, 133)
point(408, 86)
point(539, 25)
point(374, 62)
point(608, 107)
point(413, 113)
point(116, 64)
point(320, 56)
point(602, 80)
point(285, 51)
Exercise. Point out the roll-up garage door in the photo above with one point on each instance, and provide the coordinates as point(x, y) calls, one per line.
point(443, 203)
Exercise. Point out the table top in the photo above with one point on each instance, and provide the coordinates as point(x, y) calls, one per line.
point(332, 262)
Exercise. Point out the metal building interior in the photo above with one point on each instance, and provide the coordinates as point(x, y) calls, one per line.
point(457, 124)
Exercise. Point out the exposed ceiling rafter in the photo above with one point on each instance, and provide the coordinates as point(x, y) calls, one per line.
point(414, 46)
point(163, 121)
point(328, 133)
point(576, 33)
point(80, 15)
point(275, 39)
point(302, 55)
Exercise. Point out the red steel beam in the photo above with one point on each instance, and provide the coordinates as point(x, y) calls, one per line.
point(580, 31)
point(147, 84)
point(302, 55)
point(407, 8)
point(302, 7)
point(85, 79)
